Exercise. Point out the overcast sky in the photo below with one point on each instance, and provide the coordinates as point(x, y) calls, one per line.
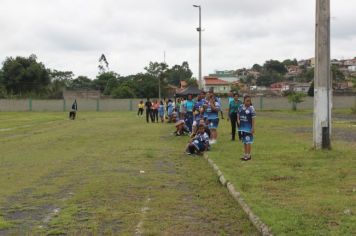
point(72, 34)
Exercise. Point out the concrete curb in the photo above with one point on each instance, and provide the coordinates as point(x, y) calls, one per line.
point(256, 221)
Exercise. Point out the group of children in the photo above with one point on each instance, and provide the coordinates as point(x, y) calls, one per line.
point(199, 118)
point(157, 111)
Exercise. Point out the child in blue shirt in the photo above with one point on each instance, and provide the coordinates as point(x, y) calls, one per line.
point(246, 122)
point(161, 111)
point(200, 143)
point(189, 107)
point(213, 108)
point(169, 110)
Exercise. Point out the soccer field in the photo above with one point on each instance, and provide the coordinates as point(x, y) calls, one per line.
point(107, 173)
point(111, 173)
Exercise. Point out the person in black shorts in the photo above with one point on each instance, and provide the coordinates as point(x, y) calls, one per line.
point(148, 106)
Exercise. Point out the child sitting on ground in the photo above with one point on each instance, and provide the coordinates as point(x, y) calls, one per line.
point(200, 143)
point(181, 129)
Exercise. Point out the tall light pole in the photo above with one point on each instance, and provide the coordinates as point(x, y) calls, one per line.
point(199, 30)
point(322, 80)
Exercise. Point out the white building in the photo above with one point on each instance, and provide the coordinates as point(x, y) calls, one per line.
point(218, 85)
point(352, 68)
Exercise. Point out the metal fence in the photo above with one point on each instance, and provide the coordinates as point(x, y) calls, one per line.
point(260, 103)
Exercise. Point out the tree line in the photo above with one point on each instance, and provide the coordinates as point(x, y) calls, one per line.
point(27, 77)
point(274, 71)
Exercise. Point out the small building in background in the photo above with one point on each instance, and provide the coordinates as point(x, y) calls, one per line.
point(280, 87)
point(352, 68)
point(300, 87)
point(218, 85)
point(226, 75)
point(294, 71)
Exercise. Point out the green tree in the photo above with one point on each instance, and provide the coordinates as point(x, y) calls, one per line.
point(295, 98)
point(145, 85)
point(178, 73)
point(105, 81)
point(191, 82)
point(81, 82)
point(123, 92)
point(257, 67)
point(289, 62)
point(275, 66)
point(269, 77)
point(60, 80)
point(3, 92)
point(23, 75)
point(337, 75)
point(159, 72)
point(306, 76)
point(103, 64)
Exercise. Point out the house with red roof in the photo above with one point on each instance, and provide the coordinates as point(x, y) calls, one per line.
point(218, 85)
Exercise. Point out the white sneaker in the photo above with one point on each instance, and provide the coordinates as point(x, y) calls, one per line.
point(213, 141)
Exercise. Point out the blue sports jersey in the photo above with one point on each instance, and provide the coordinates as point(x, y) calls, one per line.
point(170, 108)
point(199, 104)
point(161, 110)
point(212, 115)
point(246, 115)
point(189, 105)
point(200, 140)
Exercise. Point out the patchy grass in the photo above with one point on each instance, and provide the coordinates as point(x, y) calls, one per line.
point(294, 189)
point(4, 224)
point(106, 173)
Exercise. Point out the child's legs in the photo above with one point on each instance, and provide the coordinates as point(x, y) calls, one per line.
point(156, 115)
point(247, 148)
point(213, 134)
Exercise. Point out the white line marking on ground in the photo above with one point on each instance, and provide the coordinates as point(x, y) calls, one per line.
point(144, 209)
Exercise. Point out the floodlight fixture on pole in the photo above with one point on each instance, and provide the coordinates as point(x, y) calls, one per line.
point(199, 30)
point(322, 79)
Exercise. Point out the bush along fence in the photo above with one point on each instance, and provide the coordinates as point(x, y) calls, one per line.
point(260, 103)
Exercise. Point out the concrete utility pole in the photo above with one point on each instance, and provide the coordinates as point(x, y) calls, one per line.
point(199, 30)
point(322, 79)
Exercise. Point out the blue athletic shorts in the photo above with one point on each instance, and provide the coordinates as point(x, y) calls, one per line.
point(213, 124)
point(200, 147)
point(247, 138)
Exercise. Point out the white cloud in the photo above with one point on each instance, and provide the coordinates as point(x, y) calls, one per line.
point(71, 35)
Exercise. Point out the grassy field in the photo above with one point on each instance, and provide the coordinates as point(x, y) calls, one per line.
point(294, 189)
point(106, 174)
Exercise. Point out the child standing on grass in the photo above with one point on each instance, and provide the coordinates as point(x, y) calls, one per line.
point(161, 111)
point(246, 122)
point(200, 143)
point(234, 105)
point(141, 105)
